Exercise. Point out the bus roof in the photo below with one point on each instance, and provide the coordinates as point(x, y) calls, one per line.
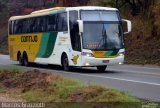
point(60, 9)
point(90, 8)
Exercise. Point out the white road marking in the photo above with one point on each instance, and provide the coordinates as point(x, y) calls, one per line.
point(120, 79)
point(138, 66)
point(137, 72)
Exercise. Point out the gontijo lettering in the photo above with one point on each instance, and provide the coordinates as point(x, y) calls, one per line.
point(29, 38)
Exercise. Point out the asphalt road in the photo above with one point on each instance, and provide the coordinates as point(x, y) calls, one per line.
point(140, 81)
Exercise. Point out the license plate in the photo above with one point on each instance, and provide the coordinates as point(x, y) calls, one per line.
point(105, 61)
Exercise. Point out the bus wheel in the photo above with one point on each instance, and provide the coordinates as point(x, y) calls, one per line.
point(25, 60)
point(65, 63)
point(101, 68)
point(20, 60)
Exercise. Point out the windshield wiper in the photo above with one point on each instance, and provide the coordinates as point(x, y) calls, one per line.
point(104, 39)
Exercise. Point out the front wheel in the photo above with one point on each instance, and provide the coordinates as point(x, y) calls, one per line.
point(65, 63)
point(101, 68)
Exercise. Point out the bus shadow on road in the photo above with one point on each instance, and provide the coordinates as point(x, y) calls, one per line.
point(90, 71)
point(83, 70)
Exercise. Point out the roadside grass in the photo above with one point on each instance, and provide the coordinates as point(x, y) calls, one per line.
point(12, 68)
point(113, 95)
point(38, 86)
point(68, 90)
point(10, 72)
point(7, 73)
point(78, 95)
point(56, 92)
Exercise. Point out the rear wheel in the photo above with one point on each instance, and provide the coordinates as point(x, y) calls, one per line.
point(101, 68)
point(20, 60)
point(65, 63)
point(25, 60)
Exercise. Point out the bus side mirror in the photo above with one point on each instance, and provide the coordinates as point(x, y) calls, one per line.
point(129, 26)
point(80, 24)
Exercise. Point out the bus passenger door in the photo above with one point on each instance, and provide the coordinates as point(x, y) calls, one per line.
point(75, 39)
point(76, 45)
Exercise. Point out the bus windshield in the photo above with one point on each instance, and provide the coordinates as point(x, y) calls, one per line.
point(102, 30)
point(102, 36)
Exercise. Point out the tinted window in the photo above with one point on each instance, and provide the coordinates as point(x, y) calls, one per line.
point(62, 22)
point(56, 22)
point(28, 24)
point(40, 23)
point(19, 26)
point(51, 26)
point(32, 25)
point(24, 23)
point(11, 27)
point(14, 27)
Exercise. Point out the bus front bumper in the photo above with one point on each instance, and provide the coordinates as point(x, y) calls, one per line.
point(92, 61)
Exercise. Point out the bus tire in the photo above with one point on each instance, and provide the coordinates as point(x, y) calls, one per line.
point(101, 68)
point(25, 60)
point(20, 59)
point(65, 63)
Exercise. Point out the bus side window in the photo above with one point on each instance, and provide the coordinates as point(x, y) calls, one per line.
point(42, 24)
point(34, 28)
point(74, 31)
point(16, 27)
point(32, 25)
point(39, 25)
point(28, 28)
point(25, 23)
point(62, 22)
point(20, 26)
point(51, 26)
point(11, 27)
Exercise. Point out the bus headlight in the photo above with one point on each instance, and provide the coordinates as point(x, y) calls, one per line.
point(87, 54)
point(121, 53)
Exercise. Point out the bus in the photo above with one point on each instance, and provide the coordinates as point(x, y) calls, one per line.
point(87, 36)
